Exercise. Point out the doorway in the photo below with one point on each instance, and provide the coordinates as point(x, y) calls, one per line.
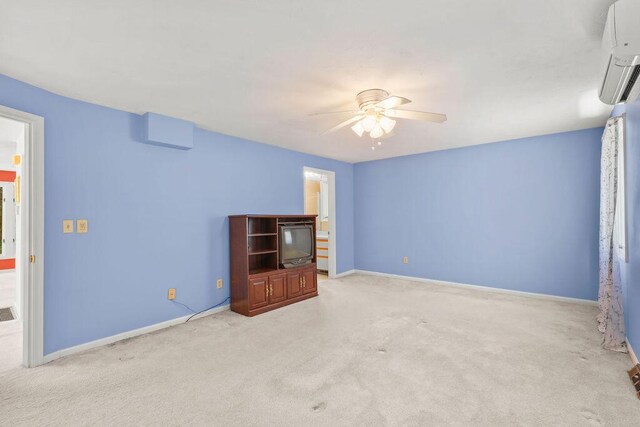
point(319, 199)
point(12, 134)
point(21, 238)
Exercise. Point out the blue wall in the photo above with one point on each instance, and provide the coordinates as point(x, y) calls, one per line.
point(519, 214)
point(157, 216)
point(630, 272)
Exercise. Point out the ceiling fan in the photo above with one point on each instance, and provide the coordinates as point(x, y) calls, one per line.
point(378, 112)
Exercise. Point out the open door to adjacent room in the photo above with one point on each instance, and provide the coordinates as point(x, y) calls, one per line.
point(12, 138)
point(21, 238)
point(319, 199)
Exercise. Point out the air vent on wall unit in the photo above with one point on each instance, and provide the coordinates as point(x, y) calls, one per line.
point(621, 48)
point(631, 84)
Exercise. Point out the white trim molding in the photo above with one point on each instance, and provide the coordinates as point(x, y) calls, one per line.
point(632, 354)
point(129, 334)
point(32, 235)
point(344, 274)
point(479, 287)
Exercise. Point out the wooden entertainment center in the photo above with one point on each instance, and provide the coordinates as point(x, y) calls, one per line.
point(259, 283)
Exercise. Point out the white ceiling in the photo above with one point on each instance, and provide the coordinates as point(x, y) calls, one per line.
point(499, 69)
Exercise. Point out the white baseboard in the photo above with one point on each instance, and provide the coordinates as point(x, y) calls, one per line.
point(481, 288)
point(632, 354)
point(129, 334)
point(343, 274)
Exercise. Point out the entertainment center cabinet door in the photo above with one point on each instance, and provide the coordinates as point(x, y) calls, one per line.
point(309, 283)
point(258, 292)
point(277, 288)
point(294, 284)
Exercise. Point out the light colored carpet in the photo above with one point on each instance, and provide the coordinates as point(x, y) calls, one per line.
point(367, 351)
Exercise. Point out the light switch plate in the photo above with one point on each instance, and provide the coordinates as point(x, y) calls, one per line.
point(171, 294)
point(67, 226)
point(83, 226)
point(405, 259)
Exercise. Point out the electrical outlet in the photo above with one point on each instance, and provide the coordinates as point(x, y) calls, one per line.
point(67, 226)
point(405, 260)
point(172, 294)
point(219, 283)
point(83, 226)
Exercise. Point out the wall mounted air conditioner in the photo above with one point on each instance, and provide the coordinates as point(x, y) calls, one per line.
point(621, 46)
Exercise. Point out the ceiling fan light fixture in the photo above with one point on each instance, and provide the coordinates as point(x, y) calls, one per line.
point(376, 132)
point(387, 124)
point(358, 128)
point(369, 122)
point(377, 115)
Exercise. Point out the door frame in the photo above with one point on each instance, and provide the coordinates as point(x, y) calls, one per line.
point(331, 184)
point(32, 236)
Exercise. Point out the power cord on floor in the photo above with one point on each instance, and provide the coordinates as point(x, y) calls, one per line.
point(184, 305)
point(210, 308)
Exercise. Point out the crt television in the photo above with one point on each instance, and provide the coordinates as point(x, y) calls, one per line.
point(296, 245)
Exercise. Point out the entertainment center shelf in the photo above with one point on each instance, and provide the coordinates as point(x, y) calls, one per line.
point(263, 252)
point(259, 281)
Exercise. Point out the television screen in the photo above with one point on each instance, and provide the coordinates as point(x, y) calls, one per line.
point(297, 242)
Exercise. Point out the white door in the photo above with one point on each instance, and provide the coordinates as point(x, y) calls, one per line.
point(8, 221)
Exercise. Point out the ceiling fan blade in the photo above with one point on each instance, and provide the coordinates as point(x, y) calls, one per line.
point(392, 102)
point(416, 115)
point(335, 112)
point(343, 124)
